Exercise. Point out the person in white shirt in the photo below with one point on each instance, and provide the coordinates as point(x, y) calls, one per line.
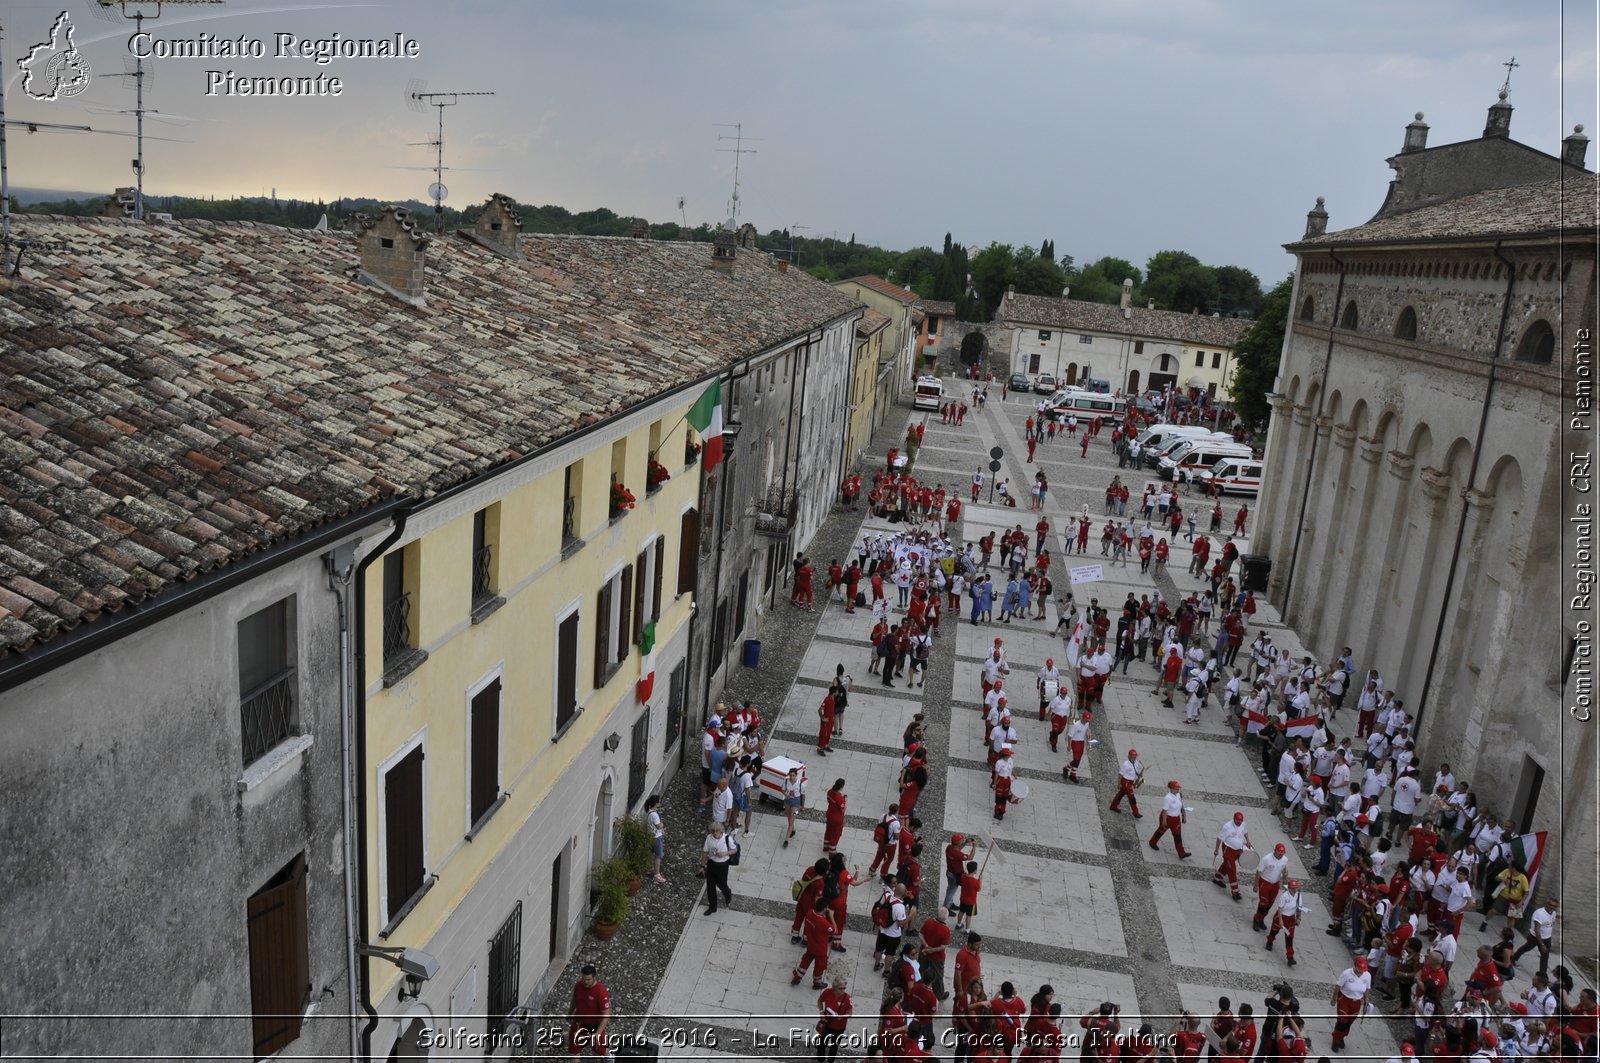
point(1374, 781)
point(1060, 712)
point(1077, 737)
point(1003, 771)
point(1048, 682)
point(1310, 811)
point(1130, 772)
point(1460, 898)
point(1195, 688)
point(1285, 915)
point(1269, 874)
point(1541, 999)
point(1172, 818)
point(1232, 840)
point(1294, 792)
point(1444, 777)
point(1403, 803)
point(1350, 991)
point(1446, 946)
point(1543, 926)
point(1339, 778)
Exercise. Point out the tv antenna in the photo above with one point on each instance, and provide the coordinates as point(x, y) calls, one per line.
point(139, 11)
point(738, 151)
point(418, 97)
point(682, 213)
point(794, 259)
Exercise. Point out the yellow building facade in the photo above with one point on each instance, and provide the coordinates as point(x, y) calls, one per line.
point(864, 374)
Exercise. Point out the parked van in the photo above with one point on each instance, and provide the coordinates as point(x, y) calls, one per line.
point(1159, 435)
point(1087, 404)
point(1196, 455)
point(1233, 476)
point(930, 393)
point(1152, 455)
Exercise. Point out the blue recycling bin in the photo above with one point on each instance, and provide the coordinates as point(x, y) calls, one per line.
point(752, 653)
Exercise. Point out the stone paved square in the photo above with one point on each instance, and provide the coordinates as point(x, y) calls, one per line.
point(1056, 814)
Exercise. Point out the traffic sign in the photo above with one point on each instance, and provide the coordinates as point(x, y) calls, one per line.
point(994, 466)
point(997, 453)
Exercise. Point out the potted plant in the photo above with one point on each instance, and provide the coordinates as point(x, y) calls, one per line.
point(622, 499)
point(611, 902)
point(691, 451)
point(634, 845)
point(657, 476)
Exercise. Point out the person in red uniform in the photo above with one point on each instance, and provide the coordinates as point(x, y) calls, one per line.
point(802, 593)
point(969, 963)
point(952, 511)
point(588, 1015)
point(818, 932)
point(1042, 1037)
point(1239, 519)
point(893, 1025)
point(833, 821)
point(1186, 1037)
point(852, 586)
point(935, 940)
point(1101, 1028)
point(1350, 993)
point(1269, 878)
point(1172, 818)
point(1009, 1009)
point(825, 724)
point(835, 1009)
point(1232, 840)
point(1344, 887)
point(811, 883)
point(1032, 443)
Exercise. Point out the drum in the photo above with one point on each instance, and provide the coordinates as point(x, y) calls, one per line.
point(1019, 790)
point(1249, 860)
point(1052, 687)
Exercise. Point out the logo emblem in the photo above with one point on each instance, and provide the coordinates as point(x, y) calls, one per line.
point(55, 69)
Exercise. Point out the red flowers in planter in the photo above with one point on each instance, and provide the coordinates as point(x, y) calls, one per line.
point(622, 499)
point(657, 475)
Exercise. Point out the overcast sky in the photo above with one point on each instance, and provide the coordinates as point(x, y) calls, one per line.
point(1112, 128)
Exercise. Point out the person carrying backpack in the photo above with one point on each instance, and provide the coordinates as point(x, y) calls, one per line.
point(889, 916)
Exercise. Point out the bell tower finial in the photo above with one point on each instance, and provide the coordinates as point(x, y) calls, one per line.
point(1510, 65)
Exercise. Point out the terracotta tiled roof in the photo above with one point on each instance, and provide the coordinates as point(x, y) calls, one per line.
point(1043, 311)
point(1550, 206)
point(883, 287)
point(871, 321)
point(176, 397)
point(937, 307)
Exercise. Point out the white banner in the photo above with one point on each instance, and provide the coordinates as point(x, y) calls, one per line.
point(1085, 574)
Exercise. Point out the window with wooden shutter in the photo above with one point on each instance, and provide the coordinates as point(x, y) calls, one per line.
point(661, 563)
point(566, 671)
point(602, 631)
point(402, 836)
point(280, 973)
point(641, 604)
point(626, 615)
point(689, 551)
point(485, 783)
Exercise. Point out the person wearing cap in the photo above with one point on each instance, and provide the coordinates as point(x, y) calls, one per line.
point(1172, 818)
point(588, 1014)
point(1127, 775)
point(1060, 714)
point(1269, 876)
point(1077, 738)
point(1003, 770)
point(1232, 840)
point(1286, 914)
point(1001, 736)
point(1407, 1054)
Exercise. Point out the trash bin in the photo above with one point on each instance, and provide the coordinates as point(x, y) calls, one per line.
point(752, 653)
point(1257, 568)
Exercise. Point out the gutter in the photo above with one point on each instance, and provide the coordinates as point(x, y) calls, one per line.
point(359, 714)
point(1472, 478)
point(1311, 459)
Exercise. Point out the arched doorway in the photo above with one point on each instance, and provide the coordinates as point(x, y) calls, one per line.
point(1072, 375)
point(1133, 383)
point(409, 1044)
point(600, 843)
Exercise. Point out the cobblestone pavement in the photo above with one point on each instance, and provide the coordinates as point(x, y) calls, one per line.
point(1073, 895)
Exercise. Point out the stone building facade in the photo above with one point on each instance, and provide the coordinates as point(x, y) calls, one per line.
point(1412, 498)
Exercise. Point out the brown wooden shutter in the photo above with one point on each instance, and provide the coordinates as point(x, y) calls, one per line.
point(402, 804)
point(626, 615)
point(661, 563)
point(689, 551)
point(602, 628)
point(640, 603)
point(567, 670)
point(280, 975)
point(485, 749)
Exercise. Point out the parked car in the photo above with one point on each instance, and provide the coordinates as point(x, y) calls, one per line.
point(1019, 382)
point(1045, 385)
point(1146, 407)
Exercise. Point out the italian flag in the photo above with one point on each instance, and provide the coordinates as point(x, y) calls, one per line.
point(1254, 721)
point(1074, 644)
point(1302, 727)
point(706, 418)
point(647, 663)
point(1527, 851)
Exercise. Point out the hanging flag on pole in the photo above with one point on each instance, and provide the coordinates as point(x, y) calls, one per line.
point(1527, 852)
point(647, 664)
point(706, 418)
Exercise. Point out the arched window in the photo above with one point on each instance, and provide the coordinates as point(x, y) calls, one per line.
point(1538, 344)
point(1349, 318)
point(1406, 327)
point(1308, 309)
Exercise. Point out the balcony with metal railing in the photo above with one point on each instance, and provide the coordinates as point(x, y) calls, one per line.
point(266, 715)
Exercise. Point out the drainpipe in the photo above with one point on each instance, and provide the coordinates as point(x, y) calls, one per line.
point(1472, 478)
point(359, 701)
point(1311, 459)
point(341, 570)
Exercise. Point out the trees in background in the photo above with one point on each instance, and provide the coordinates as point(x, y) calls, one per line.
point(1256, 357)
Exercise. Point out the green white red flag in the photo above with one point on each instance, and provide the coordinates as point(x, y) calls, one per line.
point(1527, 852)
point(705, 416)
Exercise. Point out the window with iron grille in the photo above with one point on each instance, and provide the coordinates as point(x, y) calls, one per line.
point(505, 971)
point(571, 492)
point(266, 679)
point(1085, 339)
point(280, 970)
point(639, 759)
point(482, 558)
point(396, 608)
point(677, 690)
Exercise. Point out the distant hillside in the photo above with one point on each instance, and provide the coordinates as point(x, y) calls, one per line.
point(28, 196)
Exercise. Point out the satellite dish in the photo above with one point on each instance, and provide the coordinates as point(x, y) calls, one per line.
point(438, 192)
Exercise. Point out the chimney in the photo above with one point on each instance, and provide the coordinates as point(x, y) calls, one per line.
point(640, 229)
point(1151, 305)
point(1127, 292)
point(1316, 220)
point(120, 205)
point(723, 249)
point(747, 236)
point(1011, 292)
point(782, 264)
point(1575, 147)
point(393, 254)
point(498, 226)
point(1416, 136)
point(1499, 123)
